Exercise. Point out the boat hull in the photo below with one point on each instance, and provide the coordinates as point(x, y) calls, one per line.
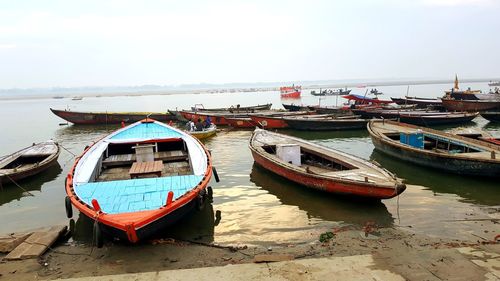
point(470, 105)
point(436, 120)
point(236, 108)
point(324, 184)
point(95, 118)
point(269, 122)
point(493, 116)
point(325, 125)
point(241, 123)
point(295, 95)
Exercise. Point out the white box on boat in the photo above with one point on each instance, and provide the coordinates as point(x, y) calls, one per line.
point(289, 153)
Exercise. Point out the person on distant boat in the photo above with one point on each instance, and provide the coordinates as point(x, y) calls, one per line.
point(190, 126)
point(207, 122)
point(199, 125)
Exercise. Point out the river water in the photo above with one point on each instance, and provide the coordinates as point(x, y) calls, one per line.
point(253, 206)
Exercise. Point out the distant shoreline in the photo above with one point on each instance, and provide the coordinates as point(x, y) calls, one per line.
point(305, 85)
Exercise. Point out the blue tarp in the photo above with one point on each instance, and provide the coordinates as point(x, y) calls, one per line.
point(147, 131)
point(135, 195)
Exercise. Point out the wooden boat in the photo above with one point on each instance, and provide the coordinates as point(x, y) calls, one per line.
point(308, 123)
point(338, 92)
point(241, 122)
point(322, 168)
point(493, 84)
point(366, 100)
point(293, 107)
point(470, 105)
point(269, 122)
point(331, 110)
point(138, 180)
point(435, 149)
point(290, 92)
point(420, 102)
point(28, 161)
point(93, 118)
point(476, 134)
point(493, 116)
point(205, 133)
point(438, 119)
point(235, 108)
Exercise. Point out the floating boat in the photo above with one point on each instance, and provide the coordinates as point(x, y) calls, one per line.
point(323, 123)
point(138, 180)
point(235, 108)
point(493, 84)
point(77, 98)
point(205, 133)
point(28, 161)
point(438, 119)
point(420, 102)
point(493, 116)
point(322, 168)
point(338, 92)
point(365, 100)
point(476, 134)
point(331, 110)
point(293, 107)
point(290, 92)
point(470, 105)
point(93, 118)
point(435, 149)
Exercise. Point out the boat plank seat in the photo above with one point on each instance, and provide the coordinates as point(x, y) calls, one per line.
point(135, 195)
point(127, 159)
point(146, 168)
point(40, 150)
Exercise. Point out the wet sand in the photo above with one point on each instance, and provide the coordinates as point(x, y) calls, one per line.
point(397, 249)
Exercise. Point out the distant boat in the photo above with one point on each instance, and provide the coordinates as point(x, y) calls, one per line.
point(93, 118)
point(293, 107)
point(138, 180)
point(338, 92)
point(205, 133)
point(234, 108)
point(470, 105)
point(493, 84)
point(420, 102)
point(322, 168)
point(28, 161)
point(290, 92)
point(435, 149)
point(77, 98)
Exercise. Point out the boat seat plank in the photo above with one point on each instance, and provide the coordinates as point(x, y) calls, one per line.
point(40, 150)
point(124, 159)
point(135, 195)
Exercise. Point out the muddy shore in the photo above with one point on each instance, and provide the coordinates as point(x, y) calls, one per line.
point(397, 249)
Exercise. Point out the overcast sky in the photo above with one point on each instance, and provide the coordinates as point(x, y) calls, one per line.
point(115, 43)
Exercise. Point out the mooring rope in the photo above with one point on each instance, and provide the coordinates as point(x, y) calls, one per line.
point(14, 182)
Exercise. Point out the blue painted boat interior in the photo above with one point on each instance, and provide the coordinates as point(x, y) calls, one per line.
point(147, 131)
point(134, 195)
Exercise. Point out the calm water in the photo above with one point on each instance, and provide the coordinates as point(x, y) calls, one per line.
point(256, 207)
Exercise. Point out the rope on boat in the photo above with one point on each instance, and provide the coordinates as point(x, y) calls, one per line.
point(14, 182)
point(74, 155)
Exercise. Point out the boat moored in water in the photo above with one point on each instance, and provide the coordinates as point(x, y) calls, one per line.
point(234, 108)
point(205, 133)
point(94, 118)
point(325, 123)
point(470, 105)
point(492, 116)
point(28, 161)
point(322, 168)
point(435, 149)
point(139, 180)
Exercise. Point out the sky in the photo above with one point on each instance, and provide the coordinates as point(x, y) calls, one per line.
point(125, 43)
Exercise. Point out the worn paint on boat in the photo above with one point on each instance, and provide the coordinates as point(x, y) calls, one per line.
point(323, 168)
point(435, 149)
point(93, 118)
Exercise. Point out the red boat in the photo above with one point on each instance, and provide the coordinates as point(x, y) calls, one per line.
point(242, 122)
point(290, 92)
point(138, 180)
point(269, 122)
point(216, 118)
point(322, 168)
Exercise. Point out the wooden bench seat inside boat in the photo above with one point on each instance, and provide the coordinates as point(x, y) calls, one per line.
point(127, 159)
point(135, 195)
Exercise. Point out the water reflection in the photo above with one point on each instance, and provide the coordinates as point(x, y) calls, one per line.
point(12, 192)
point(196, 226)
point(319, 204)
point(477, 190)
